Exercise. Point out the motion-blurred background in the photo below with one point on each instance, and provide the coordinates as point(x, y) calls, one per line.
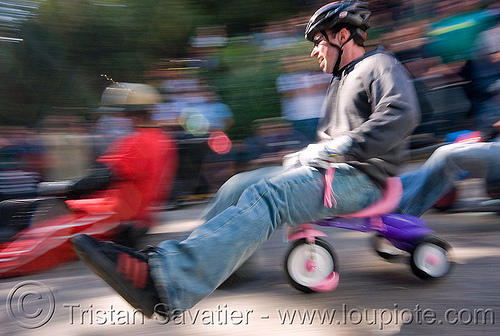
point(240, 67)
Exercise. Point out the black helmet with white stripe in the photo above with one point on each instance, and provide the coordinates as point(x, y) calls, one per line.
point(349, 13)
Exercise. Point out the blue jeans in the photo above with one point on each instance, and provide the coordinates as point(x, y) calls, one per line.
point(229, 193)
point(423, 187)
point(185, 272)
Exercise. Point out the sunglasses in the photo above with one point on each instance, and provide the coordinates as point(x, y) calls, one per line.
point(318, 40)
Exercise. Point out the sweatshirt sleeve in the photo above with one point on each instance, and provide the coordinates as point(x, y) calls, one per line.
point(395, 111)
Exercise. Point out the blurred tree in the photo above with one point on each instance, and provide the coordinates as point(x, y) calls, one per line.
point(240, 16)
point(247, 85)
point(68, 45)
point(65, 46)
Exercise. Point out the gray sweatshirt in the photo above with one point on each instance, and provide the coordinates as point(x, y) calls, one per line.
point(373, 102)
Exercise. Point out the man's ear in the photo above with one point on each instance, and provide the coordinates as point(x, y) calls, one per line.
point(344, 35)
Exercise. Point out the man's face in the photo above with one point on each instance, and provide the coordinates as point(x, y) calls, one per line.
point(325, 53)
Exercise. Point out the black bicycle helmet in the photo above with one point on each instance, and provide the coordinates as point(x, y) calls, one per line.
point(352, 13)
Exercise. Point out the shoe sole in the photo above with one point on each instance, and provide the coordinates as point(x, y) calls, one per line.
point(99, 264)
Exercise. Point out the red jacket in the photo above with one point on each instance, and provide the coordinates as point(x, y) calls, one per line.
point(145, 163)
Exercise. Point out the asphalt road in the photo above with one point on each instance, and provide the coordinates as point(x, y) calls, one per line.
point(375, 297)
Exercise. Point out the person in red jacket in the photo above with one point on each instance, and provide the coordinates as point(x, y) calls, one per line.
point(138, 169)
point(112, 202)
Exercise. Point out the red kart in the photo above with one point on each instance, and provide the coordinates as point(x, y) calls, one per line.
point(112, 203)
point(44, 226)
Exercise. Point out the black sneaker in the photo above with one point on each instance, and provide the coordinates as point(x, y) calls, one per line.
point(123, 268)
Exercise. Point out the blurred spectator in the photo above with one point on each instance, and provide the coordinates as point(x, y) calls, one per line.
point(400, 9)
point(205, 44)
point(211, 115)
point(273, 139)
point(178, 90)
point(206, 113)
point(21, 162)
point(489, 41)
point(11, 149)
point(21, 149)
point(302, 95)
point(194, 111)
point(109, 128)
point(447, 8)
point(453, 35)
point(277, 35)
point(70, 147)
point(483, 74)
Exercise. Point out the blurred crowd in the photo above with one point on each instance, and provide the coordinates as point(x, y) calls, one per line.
point(451, 48)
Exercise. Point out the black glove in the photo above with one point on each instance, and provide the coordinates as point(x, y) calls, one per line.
point(99, 178)
point(58, 188)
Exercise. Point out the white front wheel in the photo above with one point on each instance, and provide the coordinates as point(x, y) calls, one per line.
point(308, 264)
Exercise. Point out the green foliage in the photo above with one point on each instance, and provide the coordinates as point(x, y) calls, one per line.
point(248, 85)
point(68, 45)
point(240, 16)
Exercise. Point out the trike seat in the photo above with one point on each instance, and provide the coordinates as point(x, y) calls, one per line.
point(393, 192)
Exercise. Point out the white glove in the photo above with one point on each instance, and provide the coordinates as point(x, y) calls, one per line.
point(322, 155)
point(291, 161)
point(315, 155)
